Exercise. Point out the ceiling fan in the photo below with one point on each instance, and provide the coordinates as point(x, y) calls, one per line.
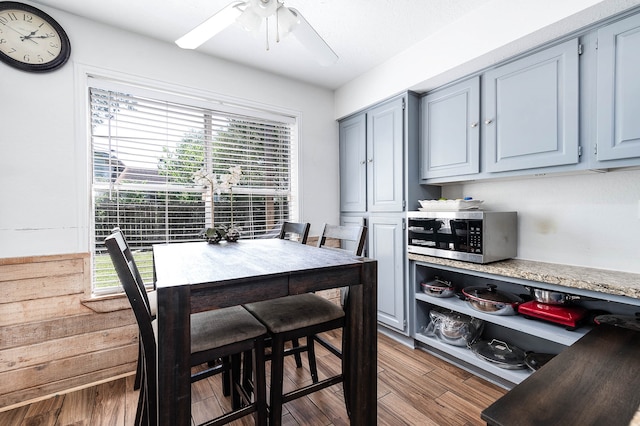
point(250, 14)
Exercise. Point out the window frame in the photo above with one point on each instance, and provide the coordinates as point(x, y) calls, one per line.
point(197, 98)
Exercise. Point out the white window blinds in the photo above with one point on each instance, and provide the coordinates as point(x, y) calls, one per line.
point(146, 148)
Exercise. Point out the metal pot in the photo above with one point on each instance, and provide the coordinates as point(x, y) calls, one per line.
point(500, 353)
point(453, 328)
point(552, 297)
point(490, 300)
point(438, 288)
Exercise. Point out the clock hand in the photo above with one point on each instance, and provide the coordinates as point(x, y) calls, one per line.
point(30, 37)
point(22, 37)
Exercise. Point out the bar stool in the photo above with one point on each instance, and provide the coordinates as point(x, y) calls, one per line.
point(221, 333)
point(303, 315)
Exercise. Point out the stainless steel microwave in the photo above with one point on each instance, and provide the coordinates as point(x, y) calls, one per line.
point(470, 235)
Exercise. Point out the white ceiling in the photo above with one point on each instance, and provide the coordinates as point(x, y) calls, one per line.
point(363, 33)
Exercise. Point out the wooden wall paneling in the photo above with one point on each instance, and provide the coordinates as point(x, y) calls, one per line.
point(53, 336)
point(41, 309)
point(42, 353)
point(44, 266)
point(32, 333)
point(89, 369)
point(35, 288)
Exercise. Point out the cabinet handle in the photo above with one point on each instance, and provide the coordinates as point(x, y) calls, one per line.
point(474, 124)
point(489, 121)
point(362, 162)
point(370, 160)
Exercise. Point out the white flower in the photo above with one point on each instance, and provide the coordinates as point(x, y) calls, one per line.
point(201, 177)
point(223, 184)
point(236, 173)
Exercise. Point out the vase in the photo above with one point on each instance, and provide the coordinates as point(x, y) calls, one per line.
point(232, 235)
point(212, 235)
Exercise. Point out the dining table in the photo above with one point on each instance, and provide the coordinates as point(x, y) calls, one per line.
point(193, 277)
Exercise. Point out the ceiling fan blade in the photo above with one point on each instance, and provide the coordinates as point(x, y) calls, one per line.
point(310, 39)
point(212, 26)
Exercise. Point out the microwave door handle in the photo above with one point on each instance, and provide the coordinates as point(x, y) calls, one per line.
point(455, 224)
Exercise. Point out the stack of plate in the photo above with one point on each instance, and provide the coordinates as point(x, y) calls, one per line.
point(448, 205)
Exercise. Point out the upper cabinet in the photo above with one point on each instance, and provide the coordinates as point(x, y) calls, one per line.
point(385, 157)
point(520, 117)
point(530, 109)
point(618, 90)
point(379, 158)
point(353, 160)
point(450, 131)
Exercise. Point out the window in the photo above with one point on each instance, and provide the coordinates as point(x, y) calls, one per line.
point(146, 148)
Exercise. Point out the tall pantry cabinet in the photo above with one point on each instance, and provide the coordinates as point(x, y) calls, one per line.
point(379, 182)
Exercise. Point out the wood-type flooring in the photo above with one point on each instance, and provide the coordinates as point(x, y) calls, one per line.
point(414, 388)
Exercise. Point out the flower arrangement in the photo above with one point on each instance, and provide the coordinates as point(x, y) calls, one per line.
point(218, 185)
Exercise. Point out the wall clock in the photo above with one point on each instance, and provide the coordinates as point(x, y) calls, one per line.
point(30, 39)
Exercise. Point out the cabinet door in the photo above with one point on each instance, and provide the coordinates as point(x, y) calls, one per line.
point(450, 137)
point(385, 157)
point(531, 111)
point(353, 170)
point(386, 245)
point(618, 90)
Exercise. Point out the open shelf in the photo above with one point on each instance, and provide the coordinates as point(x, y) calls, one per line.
point(466, 355)
point(545, 330)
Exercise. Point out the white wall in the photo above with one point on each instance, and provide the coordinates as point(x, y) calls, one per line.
point(44, 200)
point(588, 220)
point(496, 31)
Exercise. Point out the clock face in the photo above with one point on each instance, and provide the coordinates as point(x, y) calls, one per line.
point(30, 39)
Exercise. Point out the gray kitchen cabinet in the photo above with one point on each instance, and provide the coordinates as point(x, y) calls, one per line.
point(450, 131)
point(353, 169)
point(530, 111)
point(618, 90)
point(385, 189)
point(379, 175)
point(387, 245)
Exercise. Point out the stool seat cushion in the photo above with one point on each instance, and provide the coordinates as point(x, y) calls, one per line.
point(294, 312)
point(221, 327)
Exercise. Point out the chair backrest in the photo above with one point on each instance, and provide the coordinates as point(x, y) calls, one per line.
point(134, 267)
point(299, 229)
point(352, 236)
point(136, 293)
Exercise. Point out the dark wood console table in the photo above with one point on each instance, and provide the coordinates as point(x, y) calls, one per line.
point(596, 381)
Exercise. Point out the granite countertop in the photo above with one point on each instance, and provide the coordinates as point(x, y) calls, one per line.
point(579, 277)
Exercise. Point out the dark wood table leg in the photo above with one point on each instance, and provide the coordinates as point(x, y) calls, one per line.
point(174, 372)
point(362, 348)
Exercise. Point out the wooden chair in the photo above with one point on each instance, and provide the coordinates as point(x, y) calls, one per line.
point(304, 315)
point(151, 301)
point(295, 231)
point(221, 333)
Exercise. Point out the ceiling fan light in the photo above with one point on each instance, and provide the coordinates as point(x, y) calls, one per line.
point(249, 20)
point(287, 21)
point(211, 26)
point(263, 8)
